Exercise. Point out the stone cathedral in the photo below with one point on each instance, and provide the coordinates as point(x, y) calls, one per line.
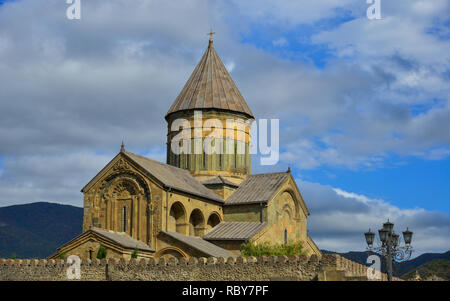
point(196, 204)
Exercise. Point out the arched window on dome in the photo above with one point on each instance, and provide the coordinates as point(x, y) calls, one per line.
point(235, 154)
point(204, 159)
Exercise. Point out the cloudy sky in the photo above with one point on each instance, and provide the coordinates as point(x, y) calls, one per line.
point(364, 105)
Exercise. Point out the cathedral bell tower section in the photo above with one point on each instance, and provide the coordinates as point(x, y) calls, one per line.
point(209, 124)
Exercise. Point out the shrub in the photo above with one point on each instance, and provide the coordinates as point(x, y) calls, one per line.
point(14, 256)
point(101, 252)
point(268, 249)
point(135, 253)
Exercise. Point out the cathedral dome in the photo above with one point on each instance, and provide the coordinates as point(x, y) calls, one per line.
point(210, 87)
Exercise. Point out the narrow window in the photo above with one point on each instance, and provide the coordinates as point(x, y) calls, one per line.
point(204, 159)
point(124, 216)
point(167, 153)
point(180, 152)
point(90, 254)
point(235, 154)
point(221, 145)
point(245, 156)
point(285, 236)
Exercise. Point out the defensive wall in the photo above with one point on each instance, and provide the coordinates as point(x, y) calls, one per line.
point(329, 267)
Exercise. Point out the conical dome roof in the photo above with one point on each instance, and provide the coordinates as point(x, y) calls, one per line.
point(210, 87)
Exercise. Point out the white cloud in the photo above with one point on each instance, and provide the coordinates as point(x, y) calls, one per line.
point(290, 12)
point(74, 85)
point(230, 66)
point(56, 178)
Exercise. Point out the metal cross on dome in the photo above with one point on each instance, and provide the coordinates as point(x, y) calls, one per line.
point(211, 33)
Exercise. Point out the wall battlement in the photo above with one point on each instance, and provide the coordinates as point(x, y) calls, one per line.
point(330, 267)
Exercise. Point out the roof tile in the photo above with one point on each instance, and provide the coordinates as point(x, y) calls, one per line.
point(257, 188)
point(219, 180)
point(234, 231)
point(210, 87)
point(122, 239)
point(200, 244)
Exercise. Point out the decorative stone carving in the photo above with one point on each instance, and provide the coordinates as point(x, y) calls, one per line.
point(122, 165)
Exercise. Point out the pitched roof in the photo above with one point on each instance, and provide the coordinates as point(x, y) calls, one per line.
point(234, 231)
point(257, 188)
point(219, 181)
point(173, 177)
point(200, 244)
point(122, 239)
point(117, 238)
point(210, 87)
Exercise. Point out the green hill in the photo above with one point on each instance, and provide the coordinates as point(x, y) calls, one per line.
point(36, 230)
point(410, 265)
point(437, 267)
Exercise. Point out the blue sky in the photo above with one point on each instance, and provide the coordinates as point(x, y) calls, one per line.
point(295, 43)
point(404, 181)
point(364, 105)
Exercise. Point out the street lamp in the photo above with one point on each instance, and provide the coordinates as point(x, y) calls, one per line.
point(370, 236)
point(390, 247)
point(407, 236)
point(388, 226)
point(383, 235)
point(395, 239)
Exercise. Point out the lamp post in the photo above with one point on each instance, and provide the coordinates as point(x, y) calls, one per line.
point(390, 247)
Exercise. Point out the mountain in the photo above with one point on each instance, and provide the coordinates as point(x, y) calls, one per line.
point(436, 267)
point(399, 268)
point(413, 264)
point(36, 230)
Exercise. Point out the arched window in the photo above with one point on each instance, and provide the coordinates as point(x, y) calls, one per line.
point(245, 156)
point(196, 223)
point(177, 218)
point(235, 154)
point(213, 221)
point(285, 235)
point(124, 219)
point(204, 159)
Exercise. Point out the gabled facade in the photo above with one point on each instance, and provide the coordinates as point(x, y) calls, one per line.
point(197, 204)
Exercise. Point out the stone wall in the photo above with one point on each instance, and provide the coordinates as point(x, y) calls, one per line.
point(328, 268)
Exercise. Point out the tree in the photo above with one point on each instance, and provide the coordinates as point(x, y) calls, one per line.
point(101, 252)
point(268, 249)
point(135, 253)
